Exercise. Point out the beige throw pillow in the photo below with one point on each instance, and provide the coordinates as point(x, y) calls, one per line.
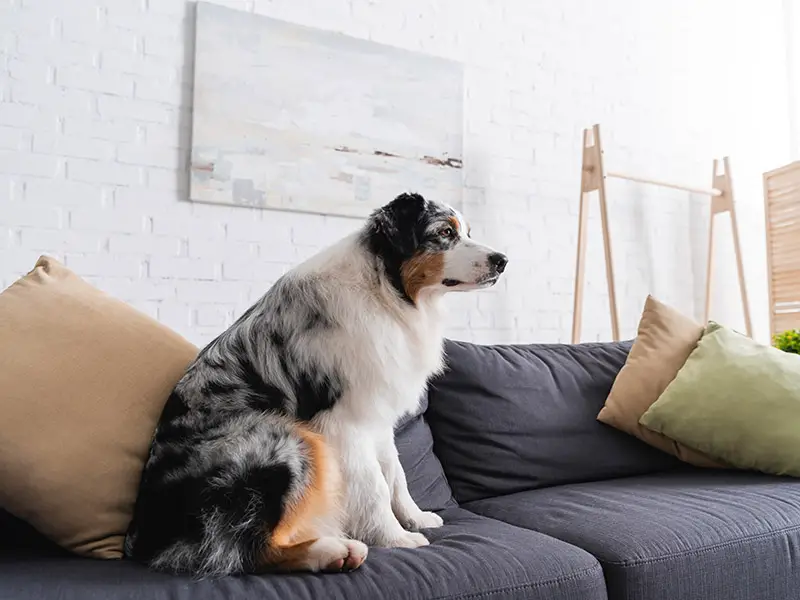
point(83, 380)
point(664, 341)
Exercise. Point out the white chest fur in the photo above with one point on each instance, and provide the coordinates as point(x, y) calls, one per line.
point(392, 361)
point(385, 349)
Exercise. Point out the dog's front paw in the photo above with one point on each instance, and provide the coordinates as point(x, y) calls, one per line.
point(337, 555)
point(423, 520)
point(408, 540)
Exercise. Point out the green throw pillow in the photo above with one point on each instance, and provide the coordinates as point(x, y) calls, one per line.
point(735, 400)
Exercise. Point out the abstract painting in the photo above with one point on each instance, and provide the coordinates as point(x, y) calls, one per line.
point(289, 117)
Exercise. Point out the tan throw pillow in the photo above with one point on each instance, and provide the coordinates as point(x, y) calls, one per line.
point(83, 380)
point(664, 341)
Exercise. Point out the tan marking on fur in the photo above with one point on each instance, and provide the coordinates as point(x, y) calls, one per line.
point(292, 558)
point(302, 522)
point(420, 271)
point(454, 222)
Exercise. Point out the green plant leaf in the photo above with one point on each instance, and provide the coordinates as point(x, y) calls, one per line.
point(788, 341)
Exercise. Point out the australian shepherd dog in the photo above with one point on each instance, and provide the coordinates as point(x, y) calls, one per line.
point(275, 451)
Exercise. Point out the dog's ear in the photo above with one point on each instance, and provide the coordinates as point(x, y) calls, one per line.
point(399, 222)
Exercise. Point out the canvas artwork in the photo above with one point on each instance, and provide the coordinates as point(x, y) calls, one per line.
point(293, 118)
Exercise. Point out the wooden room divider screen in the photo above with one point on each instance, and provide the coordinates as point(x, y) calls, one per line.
point(782, 215)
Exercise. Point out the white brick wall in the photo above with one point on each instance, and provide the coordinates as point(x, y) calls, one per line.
point(95, 120)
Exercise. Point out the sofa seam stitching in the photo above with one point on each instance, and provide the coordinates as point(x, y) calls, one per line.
point(522, 586)
point(741, 541)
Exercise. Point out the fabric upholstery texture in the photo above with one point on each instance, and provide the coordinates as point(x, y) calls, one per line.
point(84, 378)
point(426, 481)
point(471, 557)
point(664, 340)
point(692, 533)
point(510, 418)
point(735, 400)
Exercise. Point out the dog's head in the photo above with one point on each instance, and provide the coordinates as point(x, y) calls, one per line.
point(426, 247)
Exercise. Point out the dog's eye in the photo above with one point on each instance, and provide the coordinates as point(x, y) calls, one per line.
point(447, 232)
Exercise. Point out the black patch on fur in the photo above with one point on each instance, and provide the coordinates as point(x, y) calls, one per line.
point(393, 234)
point(316, 392)
point(166, 512)
point(251, 505)
point(276, 339)
point(174, 408)
point(251, 380)
point(250, 495)
point(170, 459)
point(403, 223)
point(275, 400)
point(261, 395)
point(171, 425)
point(174, 430)
point(399, 230)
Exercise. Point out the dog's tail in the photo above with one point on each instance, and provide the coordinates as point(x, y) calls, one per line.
point(242, 507)
point(264, 486)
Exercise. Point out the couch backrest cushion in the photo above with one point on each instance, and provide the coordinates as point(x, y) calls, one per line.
point(426, 481)
point(510, 418)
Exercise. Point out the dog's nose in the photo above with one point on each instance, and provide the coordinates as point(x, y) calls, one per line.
point(498, 261)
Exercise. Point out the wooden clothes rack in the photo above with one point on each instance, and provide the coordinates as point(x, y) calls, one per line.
point(593, 178)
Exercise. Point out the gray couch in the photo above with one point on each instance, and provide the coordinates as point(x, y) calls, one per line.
point(540, 501)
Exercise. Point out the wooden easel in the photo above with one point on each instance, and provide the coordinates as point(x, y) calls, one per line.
point(593, 178)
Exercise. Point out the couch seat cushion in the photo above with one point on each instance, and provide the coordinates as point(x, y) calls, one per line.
point(509, 418)
point(710, 535)
point(471, 557)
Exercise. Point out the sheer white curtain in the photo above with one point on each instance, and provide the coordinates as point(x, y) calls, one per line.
point(791, 11)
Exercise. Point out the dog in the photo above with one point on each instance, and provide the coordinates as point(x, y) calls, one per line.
point(275, 450)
